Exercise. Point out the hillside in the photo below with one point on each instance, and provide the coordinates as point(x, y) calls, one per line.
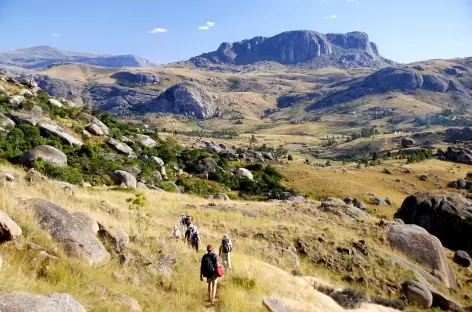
point(88, 227)
point(43, 56)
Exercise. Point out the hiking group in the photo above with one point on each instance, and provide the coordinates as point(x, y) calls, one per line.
point(210, 268)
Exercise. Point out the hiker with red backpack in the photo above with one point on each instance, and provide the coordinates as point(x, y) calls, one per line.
point(225, 251)
point(211, 270)
point(185, 222)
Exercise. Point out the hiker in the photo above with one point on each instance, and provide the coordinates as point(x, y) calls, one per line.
point(195, 239)
point(225, 251)
point(176, 233)
point(208, 270)
point(183, 222)
point(188, 234)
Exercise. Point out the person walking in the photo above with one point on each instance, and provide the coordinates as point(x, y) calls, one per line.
point(176, 233)
point(225, 251)
point(189, 234)
point(195, 239)
point(208, 268)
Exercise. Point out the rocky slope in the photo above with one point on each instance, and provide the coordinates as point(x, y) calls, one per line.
point(297, 47)
point(43, 56)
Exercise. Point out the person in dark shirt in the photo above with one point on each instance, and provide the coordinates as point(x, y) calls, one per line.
point(208, 270)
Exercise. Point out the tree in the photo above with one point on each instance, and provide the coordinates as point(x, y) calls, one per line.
point(137, 205)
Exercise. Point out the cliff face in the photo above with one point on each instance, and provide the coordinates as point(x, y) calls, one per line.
point(295, 47)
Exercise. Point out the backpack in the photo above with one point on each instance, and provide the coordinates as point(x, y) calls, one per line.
point(188, 220)
point(225, 245)
point(208, 269)
point(195, 237)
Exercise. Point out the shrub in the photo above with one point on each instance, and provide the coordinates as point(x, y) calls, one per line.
point(241, 281)
point(66, 174)
point(387, 302)
point(290, 157)
point(349, 298)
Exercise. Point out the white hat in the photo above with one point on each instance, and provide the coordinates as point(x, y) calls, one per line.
point(225, 235)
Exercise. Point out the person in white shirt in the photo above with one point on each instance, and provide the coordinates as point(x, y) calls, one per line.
point(225, 251)
point(176, 233)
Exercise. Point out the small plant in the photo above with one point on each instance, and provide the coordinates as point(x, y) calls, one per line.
point(137, 205)
point(290, 157)
point(252, 140)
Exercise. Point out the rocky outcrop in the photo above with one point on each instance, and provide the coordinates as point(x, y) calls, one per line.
point(54, 129)
point(294, 47)
point(418, 293)
point(462, 258)
point(461, 155)
point(26, 302)
point(43, 56)
point(122, 100)
point(407, 142)
point(9, 230)
point(120, 146)
point(75, 236)
point(114, 238)
point(206, 165)
point(6, 122)
point(55, 103)
point(94, 120)
point(45, 152)
point(243, 172)
point(419, 245)
point(123, 178)
point(26, 118)
point(94, 129)
point(145, 140)
point(446, 217)
point(87, 220)
point(132, 79)
point(187, 98)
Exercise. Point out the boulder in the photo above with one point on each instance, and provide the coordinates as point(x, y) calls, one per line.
point(356, 213)
point(92, 119)
point(87, 220)
point(243, 172)
point(141, 186)
point(94, 129)
point(86, 134)
point(6, 122)
point(16, 100)
point(156, 175)
point(444, 302)
point(127, 140)
point(145, 140)
point(55, 103)
point(159, 161)
point(45, 152)
point(418, 293)
point(120, 147)
point(418, 244)
point(121, 177)
point(26, 302)
point(75, 236)
point(446, 217)
point(275, 305)
point(116, 239)
point(379, 201)
point(206, 165)
point(221, 196)
point(6, 176)
point(135, 171)
point(129, 304)
point(56, 130)
point(462, 258)
point(9, 230)
point(26, 118)
point(155, 188)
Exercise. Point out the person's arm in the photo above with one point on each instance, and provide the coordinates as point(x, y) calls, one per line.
point(201, 270)
point(219, 253)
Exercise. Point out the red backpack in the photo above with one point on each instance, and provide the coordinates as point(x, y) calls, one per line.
point(188, 220)
point(220, 270)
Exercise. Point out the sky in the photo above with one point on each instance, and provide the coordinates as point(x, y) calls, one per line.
point(165, 31)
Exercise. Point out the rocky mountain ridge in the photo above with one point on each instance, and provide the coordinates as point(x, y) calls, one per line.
point(353, 49)
point(43, 56)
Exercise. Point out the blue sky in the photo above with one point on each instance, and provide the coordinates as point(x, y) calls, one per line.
point(404, 30)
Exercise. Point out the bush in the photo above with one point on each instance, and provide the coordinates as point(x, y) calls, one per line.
point(290, 157)
point(244, 282)
point(387, 302)
point(66, 174)
point(349, 298)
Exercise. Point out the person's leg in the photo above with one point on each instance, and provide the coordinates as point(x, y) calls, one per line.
point(224, 259)
point(209, 290)
point(228, 259)
point(215, 284)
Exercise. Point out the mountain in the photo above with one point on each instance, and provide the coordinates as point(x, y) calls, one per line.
point(353, 49)
point(43, 56)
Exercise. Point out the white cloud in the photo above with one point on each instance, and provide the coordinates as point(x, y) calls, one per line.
point(157, 30)
point(207, 26)
point(331, 16)
point(56, 35)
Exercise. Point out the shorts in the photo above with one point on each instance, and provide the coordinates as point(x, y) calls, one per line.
point(211, 279)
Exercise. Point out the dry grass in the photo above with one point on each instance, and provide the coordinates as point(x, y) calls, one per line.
point(259, 269)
